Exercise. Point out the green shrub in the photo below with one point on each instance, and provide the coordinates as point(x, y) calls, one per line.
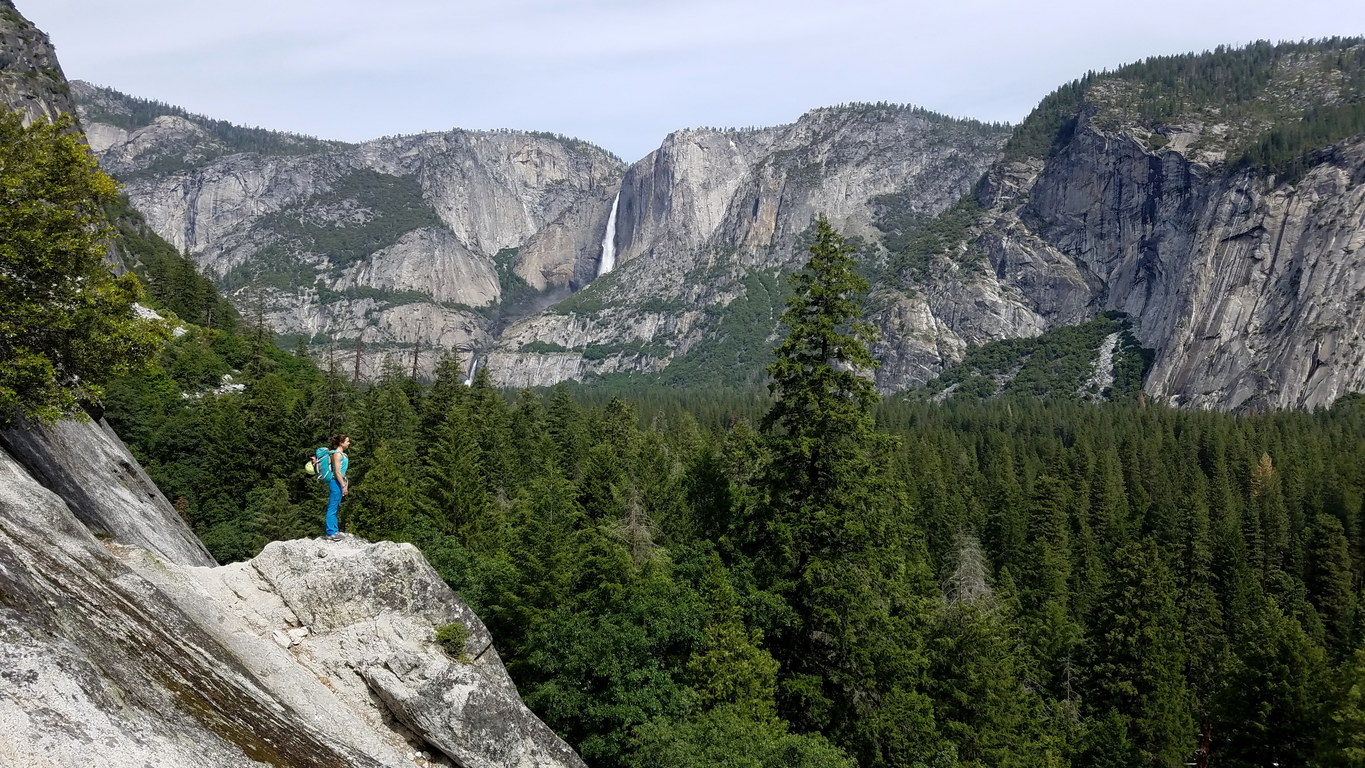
point(452, 637)
point(539, 347)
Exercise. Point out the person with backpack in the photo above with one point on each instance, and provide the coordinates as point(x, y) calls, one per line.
point(333, 465)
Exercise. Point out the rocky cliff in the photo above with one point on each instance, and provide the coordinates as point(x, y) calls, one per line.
point(124, 646)
point(413, 240)
point(402, 241)
point(1136, 197)
point(1251, 291)
point(31, 79)
point(710, 212)
point(1248, 283)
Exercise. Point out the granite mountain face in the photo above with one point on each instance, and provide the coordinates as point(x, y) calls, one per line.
point(1247, 279)
point(1138, 198)
point(31, 79)
point(407, 240)
point(440, 240)
point(1249, 291)
point(712, 218)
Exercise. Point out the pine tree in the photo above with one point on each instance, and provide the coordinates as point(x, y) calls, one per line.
point(711, 497)
point(384, 503)
point(490, 423)
point(828, 537)
point(1202, 620)
point(981, 702)
point(272, 432)
point(619, 429)
point(566, 428)
point(531, 442)
point(1006, 531)
point(447, 391)
point(1273, 700)
point(820, 424)
point(272, 517)
point(456, 494)
point(225, 454)
point(1345, 741)
point(1051, 631)
point(729, 668)
point(387, 412)
point(1108, 501)
point(659, 488)
point(1139, 659)
point(1329, 580)
point(604, 489)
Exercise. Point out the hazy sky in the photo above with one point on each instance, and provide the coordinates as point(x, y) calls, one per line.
point(624, 73)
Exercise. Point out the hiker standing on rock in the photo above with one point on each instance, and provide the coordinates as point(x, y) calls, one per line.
point(334, 472)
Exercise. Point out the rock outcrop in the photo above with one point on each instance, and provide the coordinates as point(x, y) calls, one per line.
point(31, 79)
point(431, 262)
point(1250, 290)
point(92, 472)
point(315, 653)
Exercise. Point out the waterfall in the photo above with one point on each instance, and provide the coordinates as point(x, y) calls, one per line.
point(473, 368)
point(609, 240)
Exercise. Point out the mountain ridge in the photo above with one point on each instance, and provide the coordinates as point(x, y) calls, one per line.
point(710, 210)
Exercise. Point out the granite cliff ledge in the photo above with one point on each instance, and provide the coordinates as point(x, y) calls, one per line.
point(119, 650)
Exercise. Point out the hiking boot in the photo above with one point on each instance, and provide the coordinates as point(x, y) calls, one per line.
point(333, 537)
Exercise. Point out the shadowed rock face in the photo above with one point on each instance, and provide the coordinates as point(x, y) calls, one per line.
point(314, 654)
point(31, 80)
point(1251, 292)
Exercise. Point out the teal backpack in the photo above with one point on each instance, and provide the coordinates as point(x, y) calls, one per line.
point(320, 466)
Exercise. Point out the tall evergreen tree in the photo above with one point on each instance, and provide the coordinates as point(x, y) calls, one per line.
point(385, 502)
point(829, 536)
point(1051, 631)
point(457, 496)
point(1345, 741)
point(1329, 581)
point(1273, 702)
point(820, 424)
point(273, 517)
point(566, 429)
point(981, 702)
point(1139, 659)
point(447, 390)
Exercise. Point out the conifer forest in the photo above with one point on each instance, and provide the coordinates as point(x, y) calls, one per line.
point(813, 575)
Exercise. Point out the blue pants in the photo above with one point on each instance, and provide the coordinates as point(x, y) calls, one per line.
point(333, 504)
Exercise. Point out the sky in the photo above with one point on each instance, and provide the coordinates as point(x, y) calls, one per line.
point(623, 74)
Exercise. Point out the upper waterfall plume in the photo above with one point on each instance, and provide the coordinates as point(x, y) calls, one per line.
point(609, 240)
